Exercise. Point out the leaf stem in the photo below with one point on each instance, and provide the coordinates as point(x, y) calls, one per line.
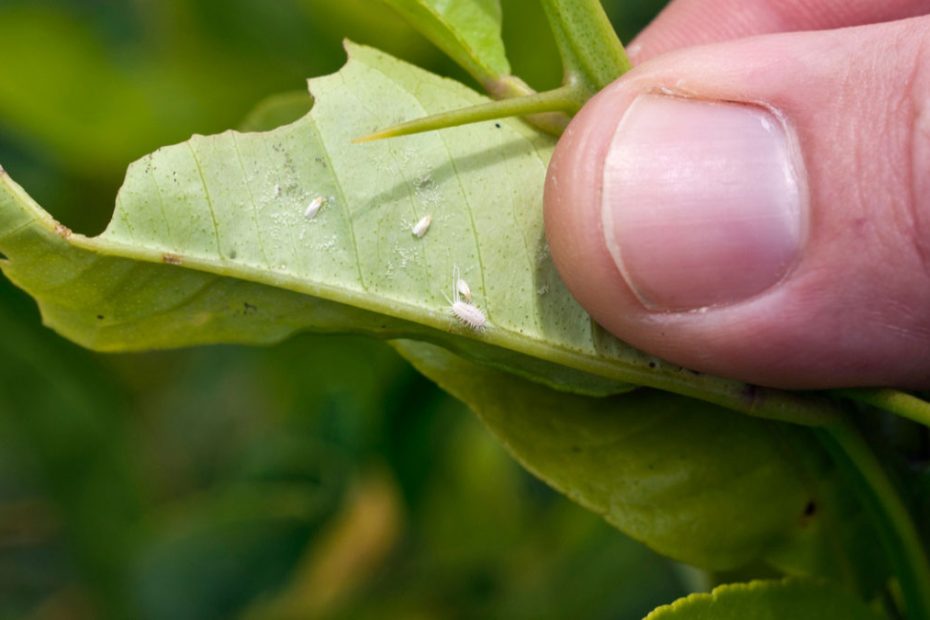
point(892, 520)
point(592, 54)
point(561, 99)
point(893, 401)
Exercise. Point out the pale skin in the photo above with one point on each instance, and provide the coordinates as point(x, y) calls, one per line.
point(847, 83)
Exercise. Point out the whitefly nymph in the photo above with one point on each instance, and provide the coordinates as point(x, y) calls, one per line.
point(466, 312)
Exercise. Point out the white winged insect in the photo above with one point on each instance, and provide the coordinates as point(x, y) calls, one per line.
point(466, 312)
point(422, 226)
point(462, 288)
point(314, 207)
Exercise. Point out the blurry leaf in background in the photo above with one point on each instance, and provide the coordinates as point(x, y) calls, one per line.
point(277, 110)
point(629, 17)
point(348, 554)
point(64, 431)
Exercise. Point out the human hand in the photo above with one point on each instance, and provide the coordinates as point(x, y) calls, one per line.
point(759, 207)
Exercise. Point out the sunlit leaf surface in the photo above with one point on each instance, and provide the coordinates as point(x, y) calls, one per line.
point(767, 600)
point(469, 31)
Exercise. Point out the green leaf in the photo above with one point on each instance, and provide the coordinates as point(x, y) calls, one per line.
point(277, 110)
point(866, 473)
point(210, 243)
point(212, 555)
point(469, 31)
point(695, 482)
point(80, 133)
point(767, 600)
point(60, 416)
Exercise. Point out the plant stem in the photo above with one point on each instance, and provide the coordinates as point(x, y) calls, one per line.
point(561, 99)
point(890, 516)
point(893, 401)
point(592, 55)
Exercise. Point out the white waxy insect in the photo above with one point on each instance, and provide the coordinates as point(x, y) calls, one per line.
point(464, 311)
point(422, 226)
point(470, 315)
point(462, 288)
point(314, 207)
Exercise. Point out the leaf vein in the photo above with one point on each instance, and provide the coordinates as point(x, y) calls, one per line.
point(206, 193)
point(161, 208)
point(258, 231)
point(441, 136)
point(343, 202)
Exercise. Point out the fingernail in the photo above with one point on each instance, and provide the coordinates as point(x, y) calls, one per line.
point(703, 202)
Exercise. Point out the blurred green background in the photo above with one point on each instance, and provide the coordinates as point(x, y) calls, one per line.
point(320, 478)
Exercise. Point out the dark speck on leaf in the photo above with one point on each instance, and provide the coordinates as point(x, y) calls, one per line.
point(810, 509)
point(249, 308)
point(232, 254)
point(498, 125)
point(652, 365)
point(99, 317)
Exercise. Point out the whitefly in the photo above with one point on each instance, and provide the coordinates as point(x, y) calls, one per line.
point(466, 312)
point(422, 226)
point(313, 209)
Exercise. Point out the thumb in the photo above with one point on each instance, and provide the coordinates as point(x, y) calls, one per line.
point(759, 209)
